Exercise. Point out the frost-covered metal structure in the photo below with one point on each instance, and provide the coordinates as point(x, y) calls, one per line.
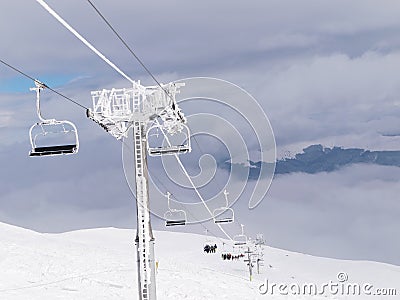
point(50, 137)
point(224, 214)
point(116, 110)
point(142, 108)
point(240, 239)
point(173, 216)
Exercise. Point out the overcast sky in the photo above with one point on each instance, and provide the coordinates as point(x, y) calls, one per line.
point(323, 71)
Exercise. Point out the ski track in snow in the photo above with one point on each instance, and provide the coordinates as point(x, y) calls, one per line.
point(101, 264)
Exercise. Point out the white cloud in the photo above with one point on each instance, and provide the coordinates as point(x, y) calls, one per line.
point(331, 96)
point(351, 213)
point(5, 118)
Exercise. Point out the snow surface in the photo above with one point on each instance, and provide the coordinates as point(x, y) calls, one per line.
point(101, 264)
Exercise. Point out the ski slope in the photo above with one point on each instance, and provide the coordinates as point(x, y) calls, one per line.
point(101, 264)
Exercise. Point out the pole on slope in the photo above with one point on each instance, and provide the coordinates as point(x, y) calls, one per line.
point(249, 263)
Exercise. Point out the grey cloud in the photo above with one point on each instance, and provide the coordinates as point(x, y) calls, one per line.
point(323, 71)
point(175, 35)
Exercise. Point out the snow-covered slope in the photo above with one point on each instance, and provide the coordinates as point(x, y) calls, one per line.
point(100, 264)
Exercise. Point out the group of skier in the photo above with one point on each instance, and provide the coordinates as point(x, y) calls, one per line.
point(229, 256)
point(210, 248)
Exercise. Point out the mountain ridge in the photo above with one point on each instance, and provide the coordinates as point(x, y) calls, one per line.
point(317, 158)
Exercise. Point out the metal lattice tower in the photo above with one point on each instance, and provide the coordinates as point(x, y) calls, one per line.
point(144, 235)
point(117, 111)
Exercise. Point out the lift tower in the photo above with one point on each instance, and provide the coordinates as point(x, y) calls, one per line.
point(144, 109)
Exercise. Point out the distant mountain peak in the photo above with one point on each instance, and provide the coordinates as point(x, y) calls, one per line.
point(317, 158)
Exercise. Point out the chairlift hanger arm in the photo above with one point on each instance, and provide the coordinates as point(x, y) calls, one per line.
point(39, 87)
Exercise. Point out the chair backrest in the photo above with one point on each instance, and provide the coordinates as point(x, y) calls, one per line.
point(53, 138)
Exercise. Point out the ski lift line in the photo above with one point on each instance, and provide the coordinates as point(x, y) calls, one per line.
point(198, 194)
point(193, 185)
point(17, 70)
point(135, 56)
point(127, 46)
point(188, 211)
point(44, 85)
point(82, 39)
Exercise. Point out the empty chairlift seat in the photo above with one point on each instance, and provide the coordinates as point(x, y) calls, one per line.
point(177, 222)
point(240, 239)
point(169, 150)
point(174, 217)
point(162, 143)
point(224, 214)
point(53, 137)
point(50, 137)
point(53, 150)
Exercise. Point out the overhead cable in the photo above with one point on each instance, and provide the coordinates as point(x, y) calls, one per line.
point(126, 44)
point(45, 85)
point(82, 39)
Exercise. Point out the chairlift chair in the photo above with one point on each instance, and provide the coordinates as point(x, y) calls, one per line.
point(240, 239)
point(174, 217)
point(224, 214)
point(160, 149)
point(49, 130)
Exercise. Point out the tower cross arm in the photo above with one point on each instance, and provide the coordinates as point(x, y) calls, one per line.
point(115, 110)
